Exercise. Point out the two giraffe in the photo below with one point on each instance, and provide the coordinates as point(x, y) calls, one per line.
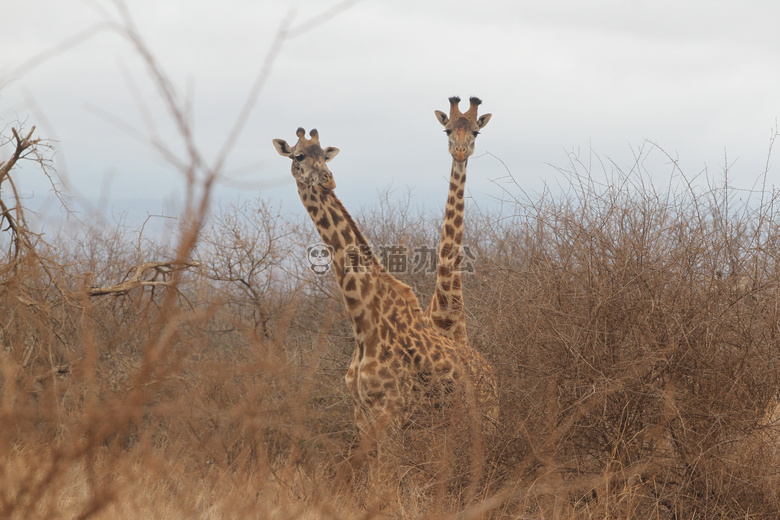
point(405, 360)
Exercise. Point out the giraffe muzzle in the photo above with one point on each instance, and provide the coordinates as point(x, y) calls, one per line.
point(328, 184)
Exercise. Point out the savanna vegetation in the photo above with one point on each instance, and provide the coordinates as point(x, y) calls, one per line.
point(634, 331)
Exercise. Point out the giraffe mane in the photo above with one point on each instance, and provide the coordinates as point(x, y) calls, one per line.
point(404, 290)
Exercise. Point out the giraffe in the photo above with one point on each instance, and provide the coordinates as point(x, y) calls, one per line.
point(400, 365)
point(445, 310)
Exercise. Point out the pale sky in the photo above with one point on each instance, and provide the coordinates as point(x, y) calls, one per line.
point(700, 79)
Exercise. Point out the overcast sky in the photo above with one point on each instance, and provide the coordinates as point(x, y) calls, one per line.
point(699, 79)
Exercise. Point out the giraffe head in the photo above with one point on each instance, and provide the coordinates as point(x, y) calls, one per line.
point(308, 159)
point(462, 128)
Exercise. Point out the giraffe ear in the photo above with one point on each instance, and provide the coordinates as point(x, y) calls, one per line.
point(282, 147)
point(442, 117)
point(330, 153)
point(482, 121)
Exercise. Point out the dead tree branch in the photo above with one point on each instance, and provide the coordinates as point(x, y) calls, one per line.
point(141, 278)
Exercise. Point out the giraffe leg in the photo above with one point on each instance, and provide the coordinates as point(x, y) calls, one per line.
point(361, 450)
point(371, 446)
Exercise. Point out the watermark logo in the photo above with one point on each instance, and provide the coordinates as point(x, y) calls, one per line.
point(320, 256)
point(397, 259)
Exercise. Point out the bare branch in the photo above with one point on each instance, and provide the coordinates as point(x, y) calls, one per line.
point(139, 278)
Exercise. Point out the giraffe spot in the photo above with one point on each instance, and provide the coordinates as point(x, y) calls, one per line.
point(350, 285)
point(453, 187)
point(313, 210)
point(460, 193)
point(449, 214)
point(458, 221)
point(360, 320)
point(443, 323)
point(335, 216)
point(374, 310)
point(445, 286)
point(370, 349)
point(346, 234)
point(323, 223)
point(352, 303)
point(373, 398)
point(449, 230)
point(459, 207)
point(365, 286)
point(444, 270)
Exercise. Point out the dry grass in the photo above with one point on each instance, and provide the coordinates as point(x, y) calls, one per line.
point(634, 330)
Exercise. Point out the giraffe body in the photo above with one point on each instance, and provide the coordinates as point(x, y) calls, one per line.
point(401, 364)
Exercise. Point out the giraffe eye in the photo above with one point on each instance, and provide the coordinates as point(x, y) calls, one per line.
point(300, 157)
point(447, 131)
point(476, 133)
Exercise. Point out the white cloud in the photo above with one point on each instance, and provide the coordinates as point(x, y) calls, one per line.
point(695, 77)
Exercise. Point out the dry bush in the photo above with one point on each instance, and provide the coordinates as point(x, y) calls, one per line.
point(635, 333)
point(633, 330)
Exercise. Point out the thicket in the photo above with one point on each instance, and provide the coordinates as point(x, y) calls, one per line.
point(634, 332)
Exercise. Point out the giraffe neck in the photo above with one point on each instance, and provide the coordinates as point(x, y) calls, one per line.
point(446, 310)
point(367, 289)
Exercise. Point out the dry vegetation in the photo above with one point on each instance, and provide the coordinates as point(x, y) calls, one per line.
point(634, 331)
